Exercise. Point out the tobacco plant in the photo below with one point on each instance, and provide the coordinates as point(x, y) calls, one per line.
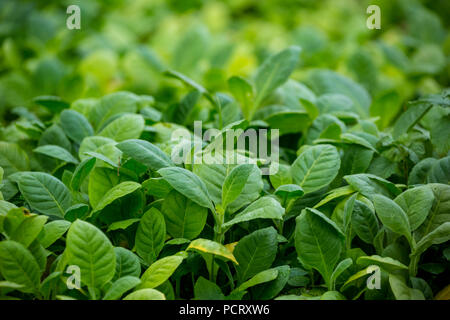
point(94, 206)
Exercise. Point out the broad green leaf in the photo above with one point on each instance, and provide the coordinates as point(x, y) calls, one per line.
point(410, 117)
point(28, 230)
point(112, 105)
point(271, 289)
point(386, 263)
point(207, 290)
point(115, 193)
point(439, 235)
point(419, 173)
point(263, 208)
point(100, 181)
point(160, 271)
point(13, 158)
point(214, 175)
point(145, 294)
point(184, 218)
point(332, 295)
point(77, 211)
point(259, 278)
point(188, 184)
point(18, 265)
point(120, 286)
point(364, 222)
point(340, 268)
point(242, 91)
point(440, 171)
point(81, 172)
point(127, 263)
point(274, 72)
point(255, 252)
point(440, 211)
point(401, 291)
point(52, 231)
point(282, 176)
point(56, 152)
point(234, 183)
point(45, 193)
point(128, 126)
point(122, 224)
point(90, 249)
point(335, 193)
point(53, 103)
point(318, 242)
point(369, 185)
point(289, 191)
point(93, 144)
point(211, 247)
point(416, 203)
point(316, 167)
point(75, 125)
point(329, 82)
point(146, 153)
point(392, 215)
point(150, 235)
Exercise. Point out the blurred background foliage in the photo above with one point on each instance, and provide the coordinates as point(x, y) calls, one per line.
point(125, 45)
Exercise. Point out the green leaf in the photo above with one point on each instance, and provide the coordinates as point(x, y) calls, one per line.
point(122, 224)
point(160, 271)
point(81, 173)
point(28, 230)
point(93, 144)
point(145, 294)
point(128, 126)
point(255, 252)
point(364, 222)
point(235, 182)
point(188, 184)
point(77, 211)
point(259, 278)
point(340, 268)
point(120, 286)
point(115, 193)
point(242, 91)
point(145, 153)
point(45, 193)
point(90, 249)
point(18, 265)
point(52, 231)
point(316, 167)
point(75, 125)
point(318, 242)
point(127, 263)
point(416, 203)
point(263, 208)
point(410, 117)
point(53, 103)
point(439, 235)
point(392, 215)
point(401, 291)
point(440, 171)
point(440, 211)
point(184, 218)
point(13, 158)
point(211, 247)
point(271, 289)
point(101, 180)
point(150, 235)
point(274, 72)
point(386, 263)
point(207, 290)
point(56, 152)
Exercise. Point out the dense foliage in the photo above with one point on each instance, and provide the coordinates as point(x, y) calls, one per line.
point(359, 207)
